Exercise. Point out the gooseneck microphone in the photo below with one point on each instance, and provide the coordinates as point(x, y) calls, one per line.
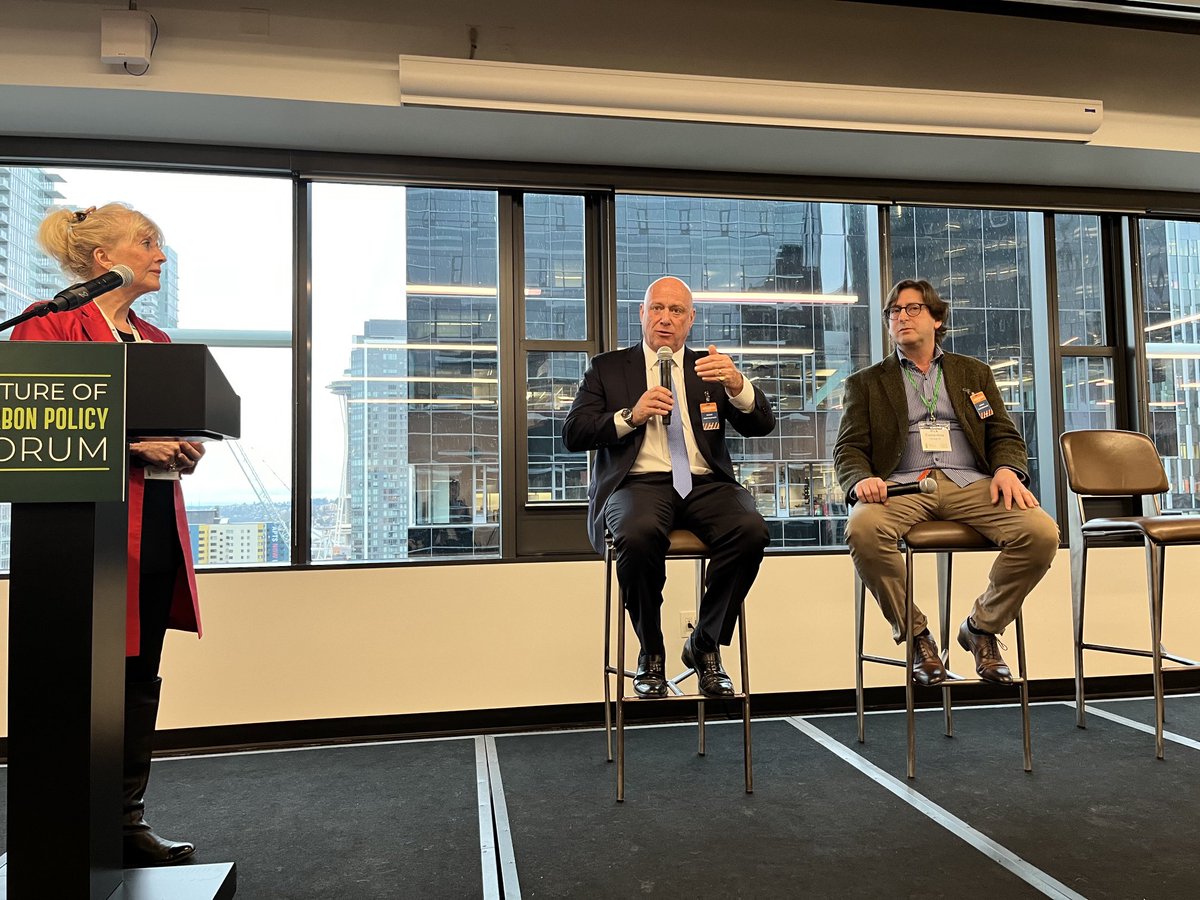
point(924, 486)
point(86, 291)
point(664, 374)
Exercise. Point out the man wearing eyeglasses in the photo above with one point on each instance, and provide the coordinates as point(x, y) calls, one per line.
point(922, 412)
point(662, 463)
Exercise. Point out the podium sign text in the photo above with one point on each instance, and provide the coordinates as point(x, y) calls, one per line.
point(62, 422)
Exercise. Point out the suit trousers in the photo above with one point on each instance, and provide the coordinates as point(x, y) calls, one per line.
point(1027, 538)
point(641, 513)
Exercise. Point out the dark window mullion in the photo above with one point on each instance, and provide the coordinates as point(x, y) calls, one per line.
point(1057, 354)
point(510, 282)
point(301, 544)
point(1123, 293)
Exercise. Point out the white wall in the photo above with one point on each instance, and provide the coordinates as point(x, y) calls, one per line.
point(283, 646)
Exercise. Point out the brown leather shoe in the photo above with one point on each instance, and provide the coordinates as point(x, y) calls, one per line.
point(927, 668)
point(988, 662)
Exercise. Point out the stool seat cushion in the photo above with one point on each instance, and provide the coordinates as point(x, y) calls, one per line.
point(939, 535)
point(684, 543)
point(1160, 529)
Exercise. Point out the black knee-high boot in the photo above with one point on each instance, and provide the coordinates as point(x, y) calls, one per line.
point(142, 846)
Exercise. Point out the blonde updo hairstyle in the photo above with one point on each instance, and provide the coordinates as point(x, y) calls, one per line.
point(72, 237)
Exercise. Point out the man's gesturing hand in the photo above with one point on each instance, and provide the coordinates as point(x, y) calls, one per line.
point(719, 367)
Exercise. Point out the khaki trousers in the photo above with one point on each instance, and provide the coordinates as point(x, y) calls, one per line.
point(1027, 538)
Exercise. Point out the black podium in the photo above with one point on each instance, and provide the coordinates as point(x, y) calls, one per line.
point(67, 411)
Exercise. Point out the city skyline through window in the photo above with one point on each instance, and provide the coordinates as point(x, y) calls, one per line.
point(406, 351)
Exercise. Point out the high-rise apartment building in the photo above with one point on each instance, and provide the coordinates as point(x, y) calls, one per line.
point(26, 273)
point(377, 478)
point(162, 307)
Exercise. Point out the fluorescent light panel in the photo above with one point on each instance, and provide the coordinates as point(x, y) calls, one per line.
point(570, 90)
point(771, 297)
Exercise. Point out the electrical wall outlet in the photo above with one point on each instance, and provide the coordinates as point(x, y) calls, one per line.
point(687, 623)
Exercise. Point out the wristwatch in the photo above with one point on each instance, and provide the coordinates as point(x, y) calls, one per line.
point(627, 416)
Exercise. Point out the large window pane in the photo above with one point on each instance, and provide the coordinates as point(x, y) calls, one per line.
point(1171, 290)
point(554, 474)
point(406, 460)
point(785, 288)
point(982, 263)
point(1088, 395)
point(1079, 266)
point(554, 268)
point(216, 290)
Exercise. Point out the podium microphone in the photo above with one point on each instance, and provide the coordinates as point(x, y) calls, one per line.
point(664, 375)
point(924, 486)
point(86, 291)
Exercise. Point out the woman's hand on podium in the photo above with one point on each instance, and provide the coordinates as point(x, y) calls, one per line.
point(174, 456)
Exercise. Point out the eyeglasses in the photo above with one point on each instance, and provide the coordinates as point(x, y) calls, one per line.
point(912, 310)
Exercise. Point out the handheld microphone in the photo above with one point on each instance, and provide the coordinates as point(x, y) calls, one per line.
point(86, 291)
point(664, 374)
point(925, 486)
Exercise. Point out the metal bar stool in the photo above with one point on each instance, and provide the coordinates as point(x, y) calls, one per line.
point(683, 545)
point(1115, 478)
point(945, 539)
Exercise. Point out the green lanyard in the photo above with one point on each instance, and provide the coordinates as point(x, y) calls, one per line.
point(930, 405)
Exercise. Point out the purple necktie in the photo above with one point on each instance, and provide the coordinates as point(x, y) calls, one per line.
point(681, 469)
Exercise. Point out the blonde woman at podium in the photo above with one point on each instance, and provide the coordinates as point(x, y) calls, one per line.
point(161, 581)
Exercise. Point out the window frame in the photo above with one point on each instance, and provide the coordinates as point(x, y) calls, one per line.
point(536, 533)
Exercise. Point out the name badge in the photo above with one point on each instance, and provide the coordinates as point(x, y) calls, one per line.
point(153, 473)
point(935, 438)
point(980, 402)
point(709, 421)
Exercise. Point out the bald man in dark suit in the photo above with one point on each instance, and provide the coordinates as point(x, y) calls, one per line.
point(651, 477)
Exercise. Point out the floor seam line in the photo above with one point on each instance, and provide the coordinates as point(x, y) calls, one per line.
point(488, 863)
point(1172, 736)
point(961, 829)
point(507, 855)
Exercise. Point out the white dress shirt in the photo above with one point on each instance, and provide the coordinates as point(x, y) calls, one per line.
point(654, 455)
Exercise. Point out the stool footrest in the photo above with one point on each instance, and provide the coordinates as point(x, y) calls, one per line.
point(885, 660)
point(735, 696)
point(1146, 654)
point(953, 680)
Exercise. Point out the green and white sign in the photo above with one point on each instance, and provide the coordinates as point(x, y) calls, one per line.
point(62, 422)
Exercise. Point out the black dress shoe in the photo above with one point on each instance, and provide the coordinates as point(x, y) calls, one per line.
point(711, 675)
point(927, 668)
point(988, 662)
point(142, 847)
point(650, 680)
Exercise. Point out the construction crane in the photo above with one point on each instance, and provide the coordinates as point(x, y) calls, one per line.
point(270, 510)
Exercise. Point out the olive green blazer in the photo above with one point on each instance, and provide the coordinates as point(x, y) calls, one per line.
point(874, 425)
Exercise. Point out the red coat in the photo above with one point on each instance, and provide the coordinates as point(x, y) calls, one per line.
point(87, 324)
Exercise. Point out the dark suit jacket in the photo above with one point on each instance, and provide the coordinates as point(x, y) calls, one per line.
point(616, 380)
point(874, 425)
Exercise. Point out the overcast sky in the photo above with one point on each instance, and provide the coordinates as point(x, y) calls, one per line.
point(233, 238)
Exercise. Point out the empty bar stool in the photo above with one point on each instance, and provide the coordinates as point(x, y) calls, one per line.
point(1115, 478)
point(945, 539)
point(683, 545)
